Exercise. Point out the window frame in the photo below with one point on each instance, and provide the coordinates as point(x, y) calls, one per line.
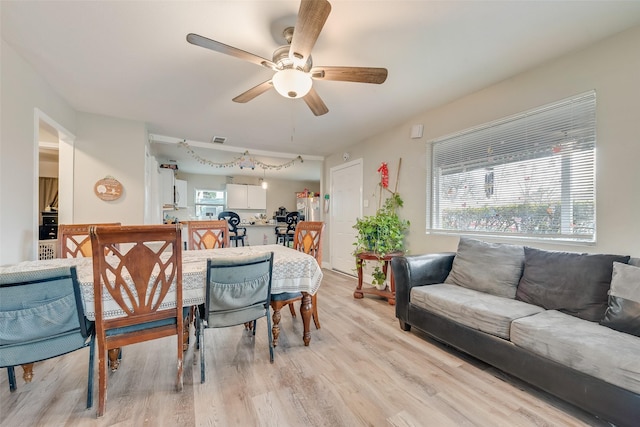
point(198, 204)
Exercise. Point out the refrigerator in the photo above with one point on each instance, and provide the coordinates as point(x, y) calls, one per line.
point(308, 206)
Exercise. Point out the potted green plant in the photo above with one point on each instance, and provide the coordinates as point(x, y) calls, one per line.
point(381, 234)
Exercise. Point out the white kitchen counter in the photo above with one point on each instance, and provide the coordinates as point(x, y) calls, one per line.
point(260, 234)
point(256, 234)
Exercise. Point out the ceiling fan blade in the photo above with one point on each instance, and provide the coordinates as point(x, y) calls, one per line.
point(350, 74)
point(311, 18)
point(315, 103)
point(216, 46)
point(253, 92)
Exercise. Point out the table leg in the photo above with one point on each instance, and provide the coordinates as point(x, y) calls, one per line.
point(275, 329)
point(27, 372)
point(305, 310)
point(114, 359)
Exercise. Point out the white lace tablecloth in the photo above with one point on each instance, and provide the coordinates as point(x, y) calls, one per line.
point(293, 271)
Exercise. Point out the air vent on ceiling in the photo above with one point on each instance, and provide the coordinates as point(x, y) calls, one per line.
point(219, 139)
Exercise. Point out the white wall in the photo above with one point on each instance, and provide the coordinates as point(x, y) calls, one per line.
point(283, 193)
point(107, 146)
point(103, 146)
point(22, 90)
point(611, 67)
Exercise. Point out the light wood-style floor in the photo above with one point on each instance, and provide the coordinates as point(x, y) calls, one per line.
point(360, 370)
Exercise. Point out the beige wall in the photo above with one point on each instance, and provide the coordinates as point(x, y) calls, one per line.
point(103, 146)
point(611, 67)
point(106, 146)
point(23, 90)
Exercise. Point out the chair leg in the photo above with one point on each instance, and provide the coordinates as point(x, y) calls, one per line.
point(92, 352)
point(255, 323)
point(196, 322)
point(11, 373)
point(102, 379)
point(292, 309)
point(202, 360)
point(314, 314)
point(180, 338)
point(270, 336)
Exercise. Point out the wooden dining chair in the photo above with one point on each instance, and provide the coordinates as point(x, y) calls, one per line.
point(238, 292)
point(207, 234)
point(41, 317)
point(144, 278)
point(74, 240)
point(307, 239)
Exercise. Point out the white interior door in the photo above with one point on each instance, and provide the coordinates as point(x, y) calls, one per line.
point(345, 208)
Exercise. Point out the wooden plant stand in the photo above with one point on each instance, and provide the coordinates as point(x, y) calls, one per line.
point(390, 291)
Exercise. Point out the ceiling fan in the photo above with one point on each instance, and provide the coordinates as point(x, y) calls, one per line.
point(292, 63)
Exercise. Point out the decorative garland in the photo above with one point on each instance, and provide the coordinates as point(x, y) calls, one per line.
point(244, 161)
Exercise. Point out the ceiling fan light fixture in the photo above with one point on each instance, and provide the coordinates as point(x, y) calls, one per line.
point(292, 83)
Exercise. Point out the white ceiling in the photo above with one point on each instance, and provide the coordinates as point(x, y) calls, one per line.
point(130, 59)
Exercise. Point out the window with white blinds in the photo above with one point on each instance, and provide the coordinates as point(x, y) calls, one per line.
point(531, 175)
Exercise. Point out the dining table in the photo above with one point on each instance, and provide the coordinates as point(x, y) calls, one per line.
point(293, 271)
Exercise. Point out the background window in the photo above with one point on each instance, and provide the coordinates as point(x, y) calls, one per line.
point(530, 175)
point(209, 203)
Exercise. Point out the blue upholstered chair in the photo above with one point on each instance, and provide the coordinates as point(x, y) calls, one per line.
point(41, 316)
point(238, 292)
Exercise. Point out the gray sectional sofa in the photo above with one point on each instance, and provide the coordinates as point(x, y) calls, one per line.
point(564, 322)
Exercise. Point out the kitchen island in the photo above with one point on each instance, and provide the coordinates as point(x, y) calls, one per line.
point(260, 234)
point(257, 234)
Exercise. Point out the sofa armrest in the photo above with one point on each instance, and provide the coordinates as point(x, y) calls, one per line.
point(417, 270)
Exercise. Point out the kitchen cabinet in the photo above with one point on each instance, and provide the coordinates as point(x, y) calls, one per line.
point(166, 188)
point(256, 197)
point(240, 196)
point(173, 192)
point(180, 196)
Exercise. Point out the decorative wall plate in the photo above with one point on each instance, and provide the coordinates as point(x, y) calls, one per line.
point(108, 188)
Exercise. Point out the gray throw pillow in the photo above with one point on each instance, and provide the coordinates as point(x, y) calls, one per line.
point(623, 312)
point(493, 268)
point(574, 283)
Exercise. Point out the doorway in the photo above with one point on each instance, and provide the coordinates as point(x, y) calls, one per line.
point(346, 206)
point(53, 149)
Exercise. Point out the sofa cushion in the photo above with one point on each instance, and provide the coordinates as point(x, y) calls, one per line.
point(573, 283)
point(477, 310)
point(493, 268)
point(623, 312)
point(587, 347)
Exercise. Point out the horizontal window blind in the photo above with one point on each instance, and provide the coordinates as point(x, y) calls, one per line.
point(529, 175)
